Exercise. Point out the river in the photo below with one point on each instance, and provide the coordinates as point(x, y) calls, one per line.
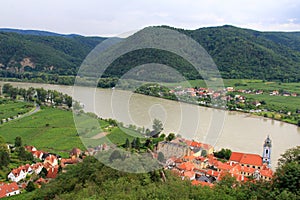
point(234, 130)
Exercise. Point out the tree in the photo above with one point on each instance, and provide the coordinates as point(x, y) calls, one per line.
point(171, 137)
point(298, 123)
point(138, 143)
point(30, 186)
point(6, 87)
point(287, 175)
point(41, 94)
point(223, 154)
point(291, 155)
point(157, 126)
point(115, 155)
point(18, 141)
point(4, 158)
point(162, 135)
point(133, 143)
point(22, 153)
point(127, 144)
point(68, 101)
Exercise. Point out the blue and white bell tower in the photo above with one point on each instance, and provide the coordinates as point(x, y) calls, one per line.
point(266, 158)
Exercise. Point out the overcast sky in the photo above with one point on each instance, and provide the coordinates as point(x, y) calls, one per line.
point(114, 17)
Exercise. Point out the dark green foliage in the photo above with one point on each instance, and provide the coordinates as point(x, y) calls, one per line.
point(127, 144)
point(156, 90)
point(115, 155)
point(287, 175)
point(30, 186)
point(4, 158)
point(138, 143)
point(223, 154)
point(18, 141)
point(157, 126)
point(171, 136)
point(288, 178)
point(64, 53)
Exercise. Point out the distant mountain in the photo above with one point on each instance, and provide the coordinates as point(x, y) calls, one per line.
point(238, 53)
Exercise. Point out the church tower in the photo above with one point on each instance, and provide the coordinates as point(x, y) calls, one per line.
point(267, 151)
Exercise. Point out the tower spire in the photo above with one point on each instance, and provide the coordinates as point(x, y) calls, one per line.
point(267, 147)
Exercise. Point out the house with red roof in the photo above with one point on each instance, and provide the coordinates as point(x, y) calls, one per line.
point(51, 165)
point(9, 189)
point(20, 173)
point(246, 159)
point(189, 174)
point(37, 168)
point(69, 161)
point(186, 166)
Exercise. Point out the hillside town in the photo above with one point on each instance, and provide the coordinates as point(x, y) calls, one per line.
point(48, 167)
point(190, 160)
point(196, 162)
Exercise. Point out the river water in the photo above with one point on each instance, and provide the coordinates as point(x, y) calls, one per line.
point(223, 129)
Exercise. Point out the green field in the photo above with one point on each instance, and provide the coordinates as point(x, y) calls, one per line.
point(54, 130)
point(244, 84)
point(9, 109)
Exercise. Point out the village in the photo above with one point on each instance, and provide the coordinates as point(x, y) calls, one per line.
point(196, 162)
point(188, 159)
point(234, 98)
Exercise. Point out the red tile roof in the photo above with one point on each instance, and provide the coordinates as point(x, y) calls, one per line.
point(8, 188)
point(202, 183)
point(246, 158)
point(186, 166)
point(267, 173)
point(52, 172)
point(212, 173)
point(189, 174)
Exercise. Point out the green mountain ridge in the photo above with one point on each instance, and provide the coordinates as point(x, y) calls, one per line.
point(52, 54)
point(238, 53)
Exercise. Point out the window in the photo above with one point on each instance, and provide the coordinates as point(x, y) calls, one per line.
point(267, 151)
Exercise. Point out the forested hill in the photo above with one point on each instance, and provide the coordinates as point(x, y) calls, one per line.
point(238, 53)
point(244, 53)
point(38, 51)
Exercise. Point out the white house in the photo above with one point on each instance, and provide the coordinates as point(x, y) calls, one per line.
point(16, 175)
point(20, 173)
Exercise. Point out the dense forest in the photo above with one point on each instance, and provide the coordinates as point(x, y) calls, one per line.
point(238, 53)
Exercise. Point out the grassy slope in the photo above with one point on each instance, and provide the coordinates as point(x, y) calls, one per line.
point(60, 135)
point(11, 108)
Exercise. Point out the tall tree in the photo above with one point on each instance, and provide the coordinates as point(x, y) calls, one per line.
point(127, 144)
point(138, 143)
point(4, 158)
point(157, 126)
point(18, 141)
